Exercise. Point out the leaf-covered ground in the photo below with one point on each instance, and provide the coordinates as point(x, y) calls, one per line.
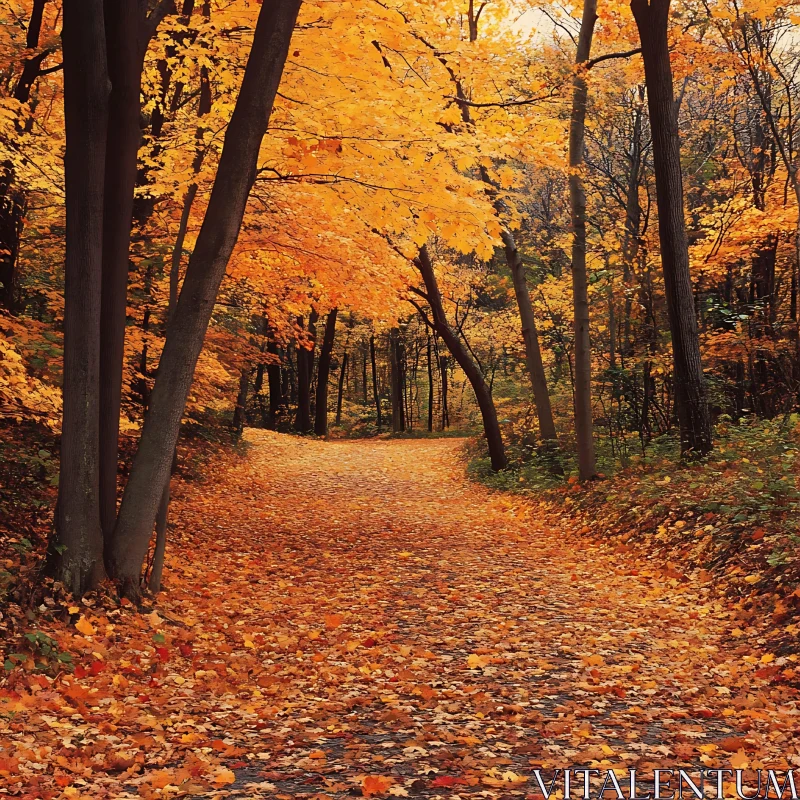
point(352, 618)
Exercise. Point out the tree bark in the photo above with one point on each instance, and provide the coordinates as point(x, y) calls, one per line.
point(430, 385)
point(218, 234)
point(275, 387)
point(340, 395)
point(162, 516)
point(690, 390)
point(305, 372)
point(530, 336)
point(323, 372)
point(587, 468)
point(78, 551)
point(456, 347)
point(395, 371)
point(128, 32)
point(375, 394)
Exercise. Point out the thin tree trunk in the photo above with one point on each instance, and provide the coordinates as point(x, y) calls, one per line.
point(430, 385)
point(587, 468)
point(363, 349)
point(690, 390)
point(491, 426)
point(78, 551)
point(305, 372)
point(375, 394)
point(396, 381)
point(218, 234)
point(323, 372)
point(633, 214)
point(340, 394)
point(275, 388)
point(533, 352)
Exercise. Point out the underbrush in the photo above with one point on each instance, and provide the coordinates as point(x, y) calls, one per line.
point(731, 518)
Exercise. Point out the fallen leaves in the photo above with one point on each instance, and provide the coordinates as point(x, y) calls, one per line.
point(283, 661)
point(85, 627)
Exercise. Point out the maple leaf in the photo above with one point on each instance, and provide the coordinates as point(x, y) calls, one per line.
point(85, 627)
point(375, 785)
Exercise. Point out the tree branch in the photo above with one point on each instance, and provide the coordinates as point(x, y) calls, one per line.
point(608, 56)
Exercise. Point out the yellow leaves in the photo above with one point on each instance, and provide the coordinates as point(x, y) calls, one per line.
point(224, 776)
point(475, 661)
point(494, 777)
point(85, 627)
point(739, 760)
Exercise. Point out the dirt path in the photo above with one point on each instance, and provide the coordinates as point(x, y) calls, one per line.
point(342, 610)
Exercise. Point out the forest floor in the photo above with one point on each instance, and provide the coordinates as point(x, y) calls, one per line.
point(358, 618)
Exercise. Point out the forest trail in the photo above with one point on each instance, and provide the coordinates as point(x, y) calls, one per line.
point(358, 614)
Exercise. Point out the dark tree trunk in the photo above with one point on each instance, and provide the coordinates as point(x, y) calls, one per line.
point(690, 389)
point(340, 395)
point(375, 393)
point(275, 387)
point(587, 468)
point(430, 385)
point(12, 214)
point(456, 347)
point(127, 37)
point(78, 551)
point(218, 234)
point(323, 372)
point(396, 381)
point(445, 407)
point(633, 215)
point(363, 349)
point(305, 372)
point(533, 353)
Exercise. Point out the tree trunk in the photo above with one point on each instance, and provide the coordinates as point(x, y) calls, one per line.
point(305, 371)
point(340, 394)
point(218, 234)
point(633, 215)
point(323, 372)
point(375, 394)
point(12, 214)
point(587, 468)
point(78, 551)
point(395, 368)
point(275, 387)
point(690, 389)
point(127, 37)
point(430, 386)
point(491, 426)
point(162, 516)
point(363, 349)
point(533, 353)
